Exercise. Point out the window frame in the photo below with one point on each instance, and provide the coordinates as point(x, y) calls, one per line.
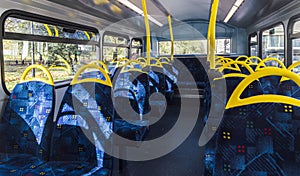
point(261, 36)
point(37, 38)
point(135, 47)
point(253, 43)
point(291, 37)
point(114, 34)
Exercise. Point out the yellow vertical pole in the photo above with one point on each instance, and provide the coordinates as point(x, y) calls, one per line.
point(211, 35)
point(147, 26)
point(171, 36)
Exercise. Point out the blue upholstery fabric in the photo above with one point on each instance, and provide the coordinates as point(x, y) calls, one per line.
point(26, 127)
point(259, 139)
point(83, 126)
point(133, 86)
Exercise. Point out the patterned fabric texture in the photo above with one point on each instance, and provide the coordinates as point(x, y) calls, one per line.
point(25, 128)
point(83, 126)
point(133, 86)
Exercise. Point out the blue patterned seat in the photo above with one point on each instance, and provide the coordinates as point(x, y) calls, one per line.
point(26, 127)
point(82, 129)
point(133, 86)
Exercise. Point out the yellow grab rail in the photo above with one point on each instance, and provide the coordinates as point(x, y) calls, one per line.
point(249, 60)
point(171, 36)
point(290, 68)
point(129, 66)
point(236, 68)
point(235, 98)
point(48, 81)
point(167, 60)
point(294, 65)
point(242, 57)
point(147, 26)
point(102, 64)
point(107, 80)
point(67, 68)
point(141, 59)
point(211, 34)
point(262, 63)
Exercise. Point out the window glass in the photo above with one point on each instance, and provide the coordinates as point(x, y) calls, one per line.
point(114, 53)
point(62, 59)
point(15, 25)
point(296, 45)
point(223, 46)
point(273, 43)
point(115, 47)
point(109, 39)
point(253, 45)
point(136, 49)
point(296, 27)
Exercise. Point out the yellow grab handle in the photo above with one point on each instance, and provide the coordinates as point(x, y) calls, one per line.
point(102, 64)
point(262, 63)
point(157, 63)
point(141, 59)
point(147, 26)
point(171, 36)
point(167, 60)
point(291, 67)
point(107, 80)
point(48, 81)
point(225, 60)
point(242, 57)
point(119, 64)
point(232, 75)
point(68, 67)
point(131, 66)
point(211, 34)
point(249, 60)
point(294, 65)
point(235, 100)
point(236, 63)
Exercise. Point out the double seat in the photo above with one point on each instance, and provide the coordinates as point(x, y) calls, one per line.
point(34, 143)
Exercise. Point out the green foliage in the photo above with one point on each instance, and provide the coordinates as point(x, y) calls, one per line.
point(61, 50)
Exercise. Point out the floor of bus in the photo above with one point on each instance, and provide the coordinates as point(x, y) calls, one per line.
point(187, 159)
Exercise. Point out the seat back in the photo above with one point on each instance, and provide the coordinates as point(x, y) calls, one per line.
point(26, 125)
point(85, 121)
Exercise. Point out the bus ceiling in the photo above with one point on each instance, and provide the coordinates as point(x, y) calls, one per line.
point(115, 11)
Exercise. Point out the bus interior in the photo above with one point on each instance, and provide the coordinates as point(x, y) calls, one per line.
point(150, 87)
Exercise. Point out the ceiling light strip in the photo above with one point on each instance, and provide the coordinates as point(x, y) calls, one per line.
point(133, 7)
point(233, 9)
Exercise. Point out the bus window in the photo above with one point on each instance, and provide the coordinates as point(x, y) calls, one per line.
point(223, 46)
point(136, 48)
point(115, 47)
point(63, 50)
point(273, 42)
point(253, 44)
point(296, 43)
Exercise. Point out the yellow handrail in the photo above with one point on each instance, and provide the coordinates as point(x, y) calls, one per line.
point(131, 66)
point(147, 26)
point(249, 60)
point(211, 34)
point(262, 63)
point(48, 81)
point(107, 80)
point(242, 57)
point(235, 100)
point(67, 68)
point(102, 64)
point(171, 36)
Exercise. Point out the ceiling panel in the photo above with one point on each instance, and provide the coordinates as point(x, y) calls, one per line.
point(253, 10)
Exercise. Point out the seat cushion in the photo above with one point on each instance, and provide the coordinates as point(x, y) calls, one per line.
point(67, 168)
point(130, 131)
point(15, 163)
